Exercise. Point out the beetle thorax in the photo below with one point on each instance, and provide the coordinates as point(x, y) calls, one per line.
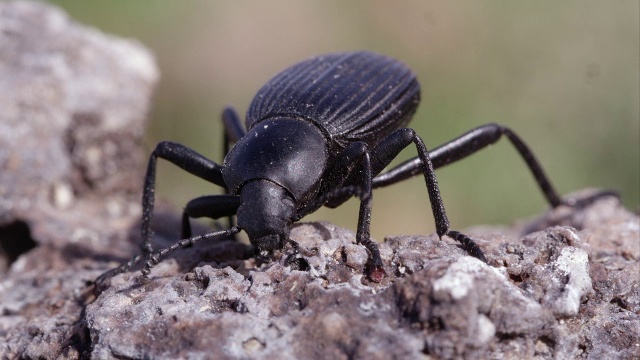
point(288, 152)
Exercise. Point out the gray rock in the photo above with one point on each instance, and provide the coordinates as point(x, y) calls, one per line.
point(564, 285)
point(538, 299)
point(73, 107)
point(74, 103)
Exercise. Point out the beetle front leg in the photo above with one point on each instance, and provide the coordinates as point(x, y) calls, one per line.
point(363, 235)
point(185, 158)
point(211, 206)
point(352, 176)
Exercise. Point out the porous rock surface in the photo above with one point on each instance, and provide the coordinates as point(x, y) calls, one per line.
point(548, 294)
point(564, 285)
point(73, 104)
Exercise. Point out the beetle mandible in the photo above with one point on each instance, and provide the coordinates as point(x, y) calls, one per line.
point(318, 133)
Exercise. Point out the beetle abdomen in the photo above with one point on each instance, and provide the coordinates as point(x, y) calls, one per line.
point(355, 96)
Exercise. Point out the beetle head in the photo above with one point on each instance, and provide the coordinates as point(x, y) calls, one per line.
point(265, 214)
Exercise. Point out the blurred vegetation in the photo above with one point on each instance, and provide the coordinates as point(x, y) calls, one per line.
point(564, 75)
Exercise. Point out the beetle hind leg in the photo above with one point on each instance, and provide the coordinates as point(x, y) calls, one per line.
point(185, 158)
point(389, 148)
point(473, 141)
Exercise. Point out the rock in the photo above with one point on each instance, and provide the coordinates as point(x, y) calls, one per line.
point(74, 103)
point(73, 107)
point(539, 301)
point(564, 285)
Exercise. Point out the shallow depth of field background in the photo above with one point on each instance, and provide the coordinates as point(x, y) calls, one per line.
point(563, 75)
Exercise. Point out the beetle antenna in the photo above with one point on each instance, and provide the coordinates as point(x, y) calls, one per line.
point(102, 282)
point(155, 257)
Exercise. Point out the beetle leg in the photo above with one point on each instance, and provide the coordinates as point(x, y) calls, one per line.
point(233, 128)
point(185, 158)
point(355, 157)
point(476, 140)
point(389, 148)
point(212, 206)
point(465, 145)
point(363, 234)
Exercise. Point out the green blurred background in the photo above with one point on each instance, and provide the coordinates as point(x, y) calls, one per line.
point(565, 75)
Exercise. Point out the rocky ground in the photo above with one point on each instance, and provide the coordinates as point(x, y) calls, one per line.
point(73, 100)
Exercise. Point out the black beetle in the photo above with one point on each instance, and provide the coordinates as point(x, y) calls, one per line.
point(319, 133)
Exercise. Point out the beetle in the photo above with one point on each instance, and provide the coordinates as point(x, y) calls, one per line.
point(318, 133)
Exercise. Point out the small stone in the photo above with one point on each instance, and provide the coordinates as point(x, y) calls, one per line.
point(62, 195)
